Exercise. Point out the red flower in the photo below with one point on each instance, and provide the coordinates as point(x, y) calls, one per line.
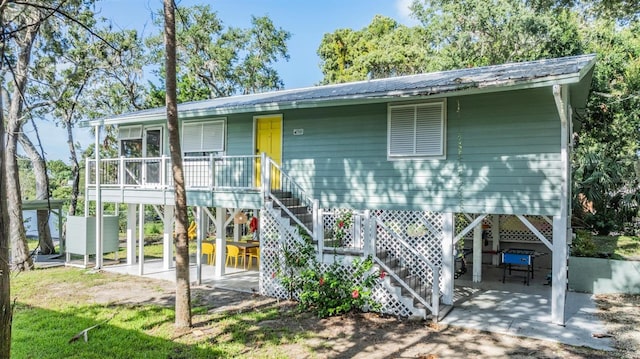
point(321, 281)
point(341, 224)
point(273, 275)
point(355, 294)
point(383, 274)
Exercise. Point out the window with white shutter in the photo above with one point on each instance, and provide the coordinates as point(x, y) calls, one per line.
point(203, 136)
point(130, 132)
point(416, 131)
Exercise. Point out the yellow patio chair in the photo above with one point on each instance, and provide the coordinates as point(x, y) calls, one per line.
point(210, 250)
point(254, 253)
point(233, 252)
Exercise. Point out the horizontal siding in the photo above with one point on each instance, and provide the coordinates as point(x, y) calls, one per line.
point(502, 157)
point(508, 161)
point(239, 135)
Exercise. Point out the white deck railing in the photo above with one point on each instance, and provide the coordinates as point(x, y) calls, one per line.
point(205, 172)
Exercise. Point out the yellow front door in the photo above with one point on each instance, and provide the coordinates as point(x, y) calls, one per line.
point(269, 141)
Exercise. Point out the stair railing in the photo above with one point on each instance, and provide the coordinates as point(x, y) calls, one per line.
point(273, 178)
point(407, 256)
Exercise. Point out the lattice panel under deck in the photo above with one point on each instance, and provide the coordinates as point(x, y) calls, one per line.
point(390, 304)
point(329, 219)
point(421, 230)
point(275, 234)
point(511, 228)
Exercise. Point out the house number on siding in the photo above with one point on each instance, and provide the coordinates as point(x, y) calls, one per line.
point(298, 131)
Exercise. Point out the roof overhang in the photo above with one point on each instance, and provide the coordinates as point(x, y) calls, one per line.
point(578, 82)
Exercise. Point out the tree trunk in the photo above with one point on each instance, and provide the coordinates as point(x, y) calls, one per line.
point(5, 285)
point(21, 260)
point(75, 172)
point(42, 193)
point(183, 291)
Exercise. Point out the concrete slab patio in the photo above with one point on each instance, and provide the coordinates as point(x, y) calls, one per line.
point(237, 279)
point(517, 309)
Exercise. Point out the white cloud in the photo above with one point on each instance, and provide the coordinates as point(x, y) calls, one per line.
point(404, 12)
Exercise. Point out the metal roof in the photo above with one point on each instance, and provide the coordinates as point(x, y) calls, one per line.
point(565, 70)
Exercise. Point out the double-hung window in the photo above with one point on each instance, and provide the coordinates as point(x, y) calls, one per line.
point(416, 131)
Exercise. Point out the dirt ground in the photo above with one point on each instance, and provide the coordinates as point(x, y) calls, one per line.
point(375, 336)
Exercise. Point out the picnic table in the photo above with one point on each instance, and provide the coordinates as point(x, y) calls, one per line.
point(243, 247)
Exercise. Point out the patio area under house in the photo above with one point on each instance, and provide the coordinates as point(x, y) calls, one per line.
point(437, 173)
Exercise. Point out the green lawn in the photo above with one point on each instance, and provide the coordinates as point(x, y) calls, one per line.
point(45, 320)
point(614, 247)
point(618, 247)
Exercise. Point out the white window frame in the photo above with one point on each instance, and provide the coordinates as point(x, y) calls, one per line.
point(441, 154)
point(125, 132)
point(216, 121)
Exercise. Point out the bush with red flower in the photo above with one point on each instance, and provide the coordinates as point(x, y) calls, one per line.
point(327, 290)
point(342, 226)
point(338, 289)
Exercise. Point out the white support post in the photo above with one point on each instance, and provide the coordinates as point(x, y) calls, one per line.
point(200, 216)
point(368, 223)
point(99, 229)
point(495, 236)
point(236, 226)
point(477, 253)
point(318, 229)
point(141, 239)
point(265, 174)
point(167, 237)
point(131, 234)
point(221, 243)
point(356, 233)
point(561, 224)
point(448, 262)
point(559, 270)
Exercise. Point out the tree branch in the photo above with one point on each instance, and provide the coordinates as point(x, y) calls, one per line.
point(57, 10)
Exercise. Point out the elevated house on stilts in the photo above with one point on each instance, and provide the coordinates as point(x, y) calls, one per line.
point(422, 162)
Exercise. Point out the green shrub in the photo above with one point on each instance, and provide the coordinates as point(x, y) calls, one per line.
point(152, 228)
point(335, 290)
point(339, 289)
point(583, 245)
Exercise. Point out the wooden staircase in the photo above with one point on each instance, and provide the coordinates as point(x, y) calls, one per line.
point(294, 207)
point(400, 272)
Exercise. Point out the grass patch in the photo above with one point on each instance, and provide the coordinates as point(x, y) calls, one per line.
point(51, 308)
point(613, 247)
point(618, 247)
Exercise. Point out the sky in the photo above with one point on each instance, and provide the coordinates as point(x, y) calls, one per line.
point(306, 20)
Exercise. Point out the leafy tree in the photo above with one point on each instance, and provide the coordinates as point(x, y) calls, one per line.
point(606, 162)
point(45, 242)
point(472, 33)
point(382, 49)
point(23, 24)
point(214, 61)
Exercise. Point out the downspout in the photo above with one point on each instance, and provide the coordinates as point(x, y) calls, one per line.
point(98, 202)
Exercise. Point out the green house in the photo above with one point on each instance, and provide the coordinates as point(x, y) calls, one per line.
point(421, 162)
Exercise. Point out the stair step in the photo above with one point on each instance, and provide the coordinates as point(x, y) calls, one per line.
point(279, 194)
point(308, 224)
point(289, 202)
point(298, 209)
